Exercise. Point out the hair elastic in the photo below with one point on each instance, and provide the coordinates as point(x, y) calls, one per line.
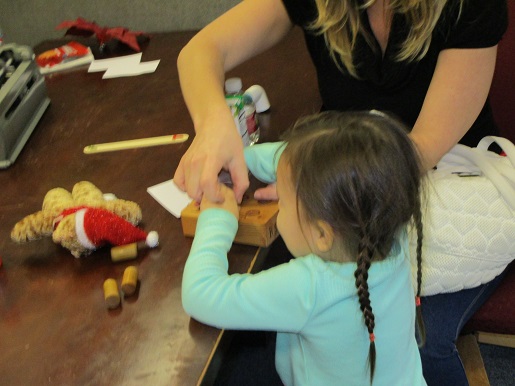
point(372, 337)
point(417, 301)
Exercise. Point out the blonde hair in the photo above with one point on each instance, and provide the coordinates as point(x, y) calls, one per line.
point(339, 22)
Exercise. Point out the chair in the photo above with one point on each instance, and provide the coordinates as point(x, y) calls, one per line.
point(502, 94)
point(494, 322)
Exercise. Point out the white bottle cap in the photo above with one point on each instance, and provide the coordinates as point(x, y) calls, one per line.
point(259, 97)
point(233, 85)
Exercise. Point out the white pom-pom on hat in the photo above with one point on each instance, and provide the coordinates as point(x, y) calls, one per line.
point(152, 239)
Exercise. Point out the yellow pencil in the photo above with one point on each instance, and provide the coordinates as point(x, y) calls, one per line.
point(135, 143)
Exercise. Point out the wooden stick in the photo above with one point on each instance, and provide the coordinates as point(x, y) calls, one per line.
point(135, 143)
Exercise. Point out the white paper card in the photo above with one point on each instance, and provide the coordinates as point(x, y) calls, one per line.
point(131, 69)
point(104, 64)
point(170, 197)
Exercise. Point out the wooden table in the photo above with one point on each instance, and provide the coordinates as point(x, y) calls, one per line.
point(54, 326)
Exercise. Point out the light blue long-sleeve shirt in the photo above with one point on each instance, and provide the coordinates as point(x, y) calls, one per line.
point(311, 303)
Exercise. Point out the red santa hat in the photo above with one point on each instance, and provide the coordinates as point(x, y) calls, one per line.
point(96, 227)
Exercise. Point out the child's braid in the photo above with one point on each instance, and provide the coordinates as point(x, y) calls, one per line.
point(361, 275)
point(417, 217)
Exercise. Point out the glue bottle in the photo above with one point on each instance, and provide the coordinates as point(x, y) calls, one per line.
point(234, 100)
point(233, 86)
point(260, 104)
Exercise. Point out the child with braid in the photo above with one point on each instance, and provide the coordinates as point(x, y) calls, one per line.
point(344, 308)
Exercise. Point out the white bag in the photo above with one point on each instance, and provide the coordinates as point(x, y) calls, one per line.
point(468, 216)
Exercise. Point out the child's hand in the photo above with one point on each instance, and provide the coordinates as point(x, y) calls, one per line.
point(268, 193)
point(229, 204)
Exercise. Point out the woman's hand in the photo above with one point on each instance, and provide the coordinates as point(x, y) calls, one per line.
point(229, 202)
point(202, 65)
point(217, 146)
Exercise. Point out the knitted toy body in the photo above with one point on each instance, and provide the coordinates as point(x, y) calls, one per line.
point(83, 220)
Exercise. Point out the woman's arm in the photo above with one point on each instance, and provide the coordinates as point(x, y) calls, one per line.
point(455, 97)
point(244, 31)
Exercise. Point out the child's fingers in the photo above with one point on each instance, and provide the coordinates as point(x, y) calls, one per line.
point(229, 201)
point(268, 193)
point(240, 179)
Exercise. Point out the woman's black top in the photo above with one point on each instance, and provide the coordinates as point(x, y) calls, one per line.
point(400, 87)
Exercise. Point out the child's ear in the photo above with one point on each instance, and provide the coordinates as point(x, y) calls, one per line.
point(324, 236)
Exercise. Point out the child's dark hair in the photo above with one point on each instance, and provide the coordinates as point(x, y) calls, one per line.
point(360, 173)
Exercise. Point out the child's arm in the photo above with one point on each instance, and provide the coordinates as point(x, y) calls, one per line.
point(277, 299)
point(262, 160)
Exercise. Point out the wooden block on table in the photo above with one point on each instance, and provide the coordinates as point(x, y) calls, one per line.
point(256, 225)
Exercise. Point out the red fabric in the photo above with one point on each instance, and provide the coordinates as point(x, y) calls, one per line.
point(501, 93)
point(83, 27)
point(102, 226)
point(497, 315)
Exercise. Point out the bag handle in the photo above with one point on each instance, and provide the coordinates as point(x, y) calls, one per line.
point(509, 149)
point(499, 175)
point(505, 144)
